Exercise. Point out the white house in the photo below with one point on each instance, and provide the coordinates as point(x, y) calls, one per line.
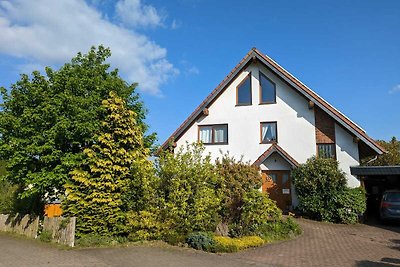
point(262, 112)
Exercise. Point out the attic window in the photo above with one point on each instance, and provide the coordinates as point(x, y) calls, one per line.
point(267, 90)
point(243, 92)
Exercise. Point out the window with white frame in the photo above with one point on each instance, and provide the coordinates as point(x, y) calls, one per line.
point(268, 132)
point(213, 134)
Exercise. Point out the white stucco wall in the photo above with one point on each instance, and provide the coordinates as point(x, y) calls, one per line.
point(347, 154)
point(295, 127)
point(295, 121)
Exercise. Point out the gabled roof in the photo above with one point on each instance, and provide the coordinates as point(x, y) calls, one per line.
point(255, 55)
point(275, 148)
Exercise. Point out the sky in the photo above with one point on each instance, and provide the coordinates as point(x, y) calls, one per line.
point(180, 50)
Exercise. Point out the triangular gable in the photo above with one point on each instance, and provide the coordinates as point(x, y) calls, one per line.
point(275, 148)
point(255, 55)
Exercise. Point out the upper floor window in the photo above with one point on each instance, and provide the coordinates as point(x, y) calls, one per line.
point(243, 92)
point(268, 132)
point(267, 90)
point(213, 134)
point(326, 150)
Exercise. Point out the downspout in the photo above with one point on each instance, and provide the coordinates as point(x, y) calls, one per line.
point(372, 160)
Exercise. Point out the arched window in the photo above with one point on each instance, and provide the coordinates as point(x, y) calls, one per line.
point(267, 90)
point(243, 92)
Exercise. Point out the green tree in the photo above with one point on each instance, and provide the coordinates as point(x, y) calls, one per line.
point(114, 176)
point(392, 157)
point(47, 120)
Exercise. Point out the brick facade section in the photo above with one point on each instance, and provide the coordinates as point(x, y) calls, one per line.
point(324, 127)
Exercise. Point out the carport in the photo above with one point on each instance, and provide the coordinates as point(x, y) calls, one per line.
point(376, 180)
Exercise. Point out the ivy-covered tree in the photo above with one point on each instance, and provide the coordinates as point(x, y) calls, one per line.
point(46, 121)
point(115, 175)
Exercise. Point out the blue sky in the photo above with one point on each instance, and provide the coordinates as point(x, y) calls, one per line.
point(346, 51)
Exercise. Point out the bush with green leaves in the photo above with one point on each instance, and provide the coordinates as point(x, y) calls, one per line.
point(201, 241)
point(256, 210)
point(238, 178)
point(189, 189)
point(323, 193)
point(352, 203)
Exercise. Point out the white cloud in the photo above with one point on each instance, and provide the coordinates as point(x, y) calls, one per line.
point(395, 89)
point(136, 14)
point(47, 32)
point(176, 24)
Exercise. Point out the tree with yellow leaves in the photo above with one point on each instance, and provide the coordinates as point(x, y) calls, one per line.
point(115, 176)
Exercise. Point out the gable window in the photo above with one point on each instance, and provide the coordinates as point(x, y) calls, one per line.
point(213, 134)
point(326, 150)
point(243, 92)
point(268, 132)
point(267, 90)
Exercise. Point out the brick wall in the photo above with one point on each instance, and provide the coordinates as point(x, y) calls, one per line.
point(324, 127)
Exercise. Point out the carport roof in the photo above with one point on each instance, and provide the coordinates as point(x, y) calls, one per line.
point(375, 170)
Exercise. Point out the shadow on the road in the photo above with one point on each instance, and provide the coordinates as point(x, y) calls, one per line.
point(385, 262)
point(393, 226)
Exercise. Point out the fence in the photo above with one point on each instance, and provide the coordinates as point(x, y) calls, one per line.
point(62, 229)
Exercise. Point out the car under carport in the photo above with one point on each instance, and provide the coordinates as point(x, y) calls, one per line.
point(376, 180)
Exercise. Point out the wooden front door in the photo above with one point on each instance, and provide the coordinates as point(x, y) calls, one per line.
point(278, 186)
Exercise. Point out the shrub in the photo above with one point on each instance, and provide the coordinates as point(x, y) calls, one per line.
point(238, 178)
point(145, 225)
point(201, 241)
point(352, 203)
point(97, 240)
point(7, 197)
point(257, 209)
point(272, 231)
point(323, 194)
point(188, 189)
point(46, 236)
point(227, 244)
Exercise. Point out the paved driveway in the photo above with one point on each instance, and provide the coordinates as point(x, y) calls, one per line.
point(324, 244)
point(321, 244)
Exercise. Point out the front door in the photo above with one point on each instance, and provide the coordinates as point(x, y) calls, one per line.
point(278, 186)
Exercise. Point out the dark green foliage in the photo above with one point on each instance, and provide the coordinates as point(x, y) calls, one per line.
point(115, 166)
point(323, 193)
point(48, 120)
point(46, 236)
point(279, 230)
point(96, 240)
point(189, 192)
point(201, 241)
point(392, 157)
point(238, 178)
point(352, 204)
point(7, 197)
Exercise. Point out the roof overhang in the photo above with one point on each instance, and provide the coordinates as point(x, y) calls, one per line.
point(375, 170)
point(275, 148)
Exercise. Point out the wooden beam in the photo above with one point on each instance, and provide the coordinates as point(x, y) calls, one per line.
point(356, 139)
point(311, 104)
point(205, 111)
